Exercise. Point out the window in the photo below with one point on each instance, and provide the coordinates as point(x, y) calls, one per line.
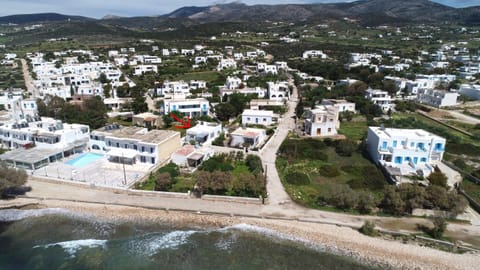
point(118, 145)
point(143, 159)
point(329, 130)
point(151, 150)
point(143, 148)
point(153, 160)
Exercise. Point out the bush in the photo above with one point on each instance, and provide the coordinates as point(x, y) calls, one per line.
point(438, 178)
point(215, 164)
point(329, 171)
point(163, 182)
point(171, 168)
point(346, 148)
point(340, 196)
point(297, 178)
point(270, 131)
point(254, 164)
point(219, 140)
point(368, 228)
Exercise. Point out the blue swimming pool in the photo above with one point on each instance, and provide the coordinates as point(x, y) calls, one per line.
point(84, 159)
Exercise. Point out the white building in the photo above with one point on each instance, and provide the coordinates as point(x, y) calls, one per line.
point(191, 156)
point(44, 133)
point(407, 150)
point(267, 69)
point(322, 121)
point(133, 145)
point(252, 137)
point(204, 132)
point(380, 98)
point(226, 64)
point(233, 83)
point(259, 117)
point(470, 90)
point(278, 90)
point(197, 84)
point(314, 54)
point(437, 98)
point(142, 69)
point(189, 107)
point(341, 104)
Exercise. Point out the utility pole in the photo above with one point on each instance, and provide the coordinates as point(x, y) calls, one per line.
point(124, 174)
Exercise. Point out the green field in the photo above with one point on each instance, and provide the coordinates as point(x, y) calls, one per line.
point(207, 76)
point(355, 129)
point(326, 172)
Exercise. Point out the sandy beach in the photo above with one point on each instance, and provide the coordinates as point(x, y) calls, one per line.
point(343, 240)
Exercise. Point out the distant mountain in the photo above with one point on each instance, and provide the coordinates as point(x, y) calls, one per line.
point(111, 17)
point(370, 12)
point(40, 17)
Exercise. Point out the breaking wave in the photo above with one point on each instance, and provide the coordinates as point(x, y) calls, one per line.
point(71, 247)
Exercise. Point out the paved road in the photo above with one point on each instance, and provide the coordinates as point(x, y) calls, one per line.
point(28, 79)
point(276, 192)
point(464, 118)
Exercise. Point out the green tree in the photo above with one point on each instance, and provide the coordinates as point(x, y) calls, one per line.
point(346, 147)
point(11, 179)
point(225, 111)
point(139, 105)
point(437, 177)
point(439, 227)
point(163, 181)
point(392, 202)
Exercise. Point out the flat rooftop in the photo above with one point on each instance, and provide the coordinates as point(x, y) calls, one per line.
point(31, 155)
point(248, 132)
point(400, 132)
point(257, 113)
point(136, 133)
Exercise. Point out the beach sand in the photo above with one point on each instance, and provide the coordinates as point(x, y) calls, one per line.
point(342, 240)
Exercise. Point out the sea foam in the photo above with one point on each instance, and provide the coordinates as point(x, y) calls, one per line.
point(152, 243)
point(71, 247)
point(8, 215)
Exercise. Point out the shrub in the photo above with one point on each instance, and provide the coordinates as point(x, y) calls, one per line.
point(270, 131)
point(329, 171)
point(219, 140)
point(368, 228)
point(345, 147)
point(460, 163)
point(163, 181)
point(438, 178)
point(171, 168)
point(254, 164)
point(297, 178)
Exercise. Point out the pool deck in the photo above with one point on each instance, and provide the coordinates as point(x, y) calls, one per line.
point(100, 172)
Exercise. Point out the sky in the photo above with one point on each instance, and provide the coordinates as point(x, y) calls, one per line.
point(129, 8)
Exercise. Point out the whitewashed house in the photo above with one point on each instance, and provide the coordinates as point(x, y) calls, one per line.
point(278, 90)
point(259, 117)
point(189, 107)
point(251, 137)
point(470, 90)
point(314, 54)
point(226, 64)
point(341, 104)
point(380, 98)
point(408, 150)
point(322, 121)
point(203, 132)
point(142, 69)
point(437, 98)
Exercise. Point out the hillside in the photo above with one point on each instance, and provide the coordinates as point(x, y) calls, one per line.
point(40, 17)
point(369, 12)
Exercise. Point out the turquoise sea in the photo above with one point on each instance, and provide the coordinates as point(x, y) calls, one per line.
point(58, 239)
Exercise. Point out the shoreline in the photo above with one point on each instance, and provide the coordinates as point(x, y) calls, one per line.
point(332, 239)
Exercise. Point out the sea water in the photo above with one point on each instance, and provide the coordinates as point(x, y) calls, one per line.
point(59, 239)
